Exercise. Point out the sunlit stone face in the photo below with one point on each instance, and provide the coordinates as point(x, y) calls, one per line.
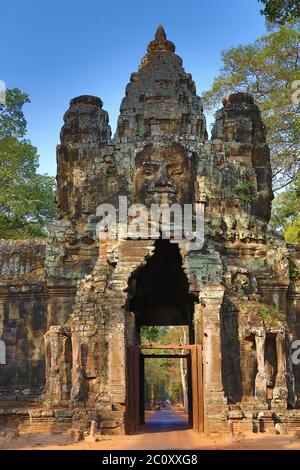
point(163, 176)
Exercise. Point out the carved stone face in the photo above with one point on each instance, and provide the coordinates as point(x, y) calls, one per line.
point(163, 176)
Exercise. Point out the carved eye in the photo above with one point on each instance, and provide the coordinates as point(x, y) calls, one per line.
point(176, 172)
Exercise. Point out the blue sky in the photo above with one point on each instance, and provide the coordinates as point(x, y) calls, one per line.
point(56, 50)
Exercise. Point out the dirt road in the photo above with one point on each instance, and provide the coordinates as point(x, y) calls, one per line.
point(166, 419)
point(164, 430)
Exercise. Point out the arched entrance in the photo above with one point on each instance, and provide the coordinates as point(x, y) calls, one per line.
point(158, 292)
point(158, 295)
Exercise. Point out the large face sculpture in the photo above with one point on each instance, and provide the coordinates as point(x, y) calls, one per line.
point(163, 175)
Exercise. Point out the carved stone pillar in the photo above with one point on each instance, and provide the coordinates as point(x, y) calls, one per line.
point(117, 380)
point(198, 324)
point(130, 328)
point(211, 299)
point(260, 379)
point(280, 392)
point(2, 344)
point(55, 363)
point(290, 379)
point(1, 317)
point(77, 376)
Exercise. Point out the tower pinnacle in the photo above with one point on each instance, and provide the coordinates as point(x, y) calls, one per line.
point(160, 34)
point(160, 43)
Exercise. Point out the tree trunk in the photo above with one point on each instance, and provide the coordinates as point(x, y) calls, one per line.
point(183, 372)
point(152, 396)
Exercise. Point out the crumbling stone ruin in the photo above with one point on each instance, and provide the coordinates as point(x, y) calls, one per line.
point(69, 308)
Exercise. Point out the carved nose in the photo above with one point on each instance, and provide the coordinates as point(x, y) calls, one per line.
point(162, 179)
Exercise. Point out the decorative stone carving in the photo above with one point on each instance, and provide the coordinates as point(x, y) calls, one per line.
point(280, 392)
point(77, 377)
point(55, 363)
point(260, 379)
point(100, 290)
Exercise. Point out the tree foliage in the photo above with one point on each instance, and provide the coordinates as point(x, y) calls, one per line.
point(153, 334)
point(268, 69)
point(26, 198)
point(280, 11)
point(12, 119)
point(286, 212)
point(162, 376)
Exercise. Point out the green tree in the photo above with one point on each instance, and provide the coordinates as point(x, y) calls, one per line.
point(286, 212)
point(26, 198)
point(12, 119)
point(156, 380)
point(267, 69)
point(163, 377)
point(162, 380)
point(280, 11)
point(153, 334)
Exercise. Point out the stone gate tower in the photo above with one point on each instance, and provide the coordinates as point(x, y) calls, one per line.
point(234, 293)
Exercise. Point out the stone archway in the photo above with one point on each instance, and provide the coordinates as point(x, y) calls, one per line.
point(133, 255)
point(134, 260)
point(158, 295)
point(158, 291)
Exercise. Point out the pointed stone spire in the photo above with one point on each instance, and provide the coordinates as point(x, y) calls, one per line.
point(160, 43)
point(160, 34)
point(161, 97)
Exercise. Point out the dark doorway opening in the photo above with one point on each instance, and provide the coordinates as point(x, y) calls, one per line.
point(158, 291)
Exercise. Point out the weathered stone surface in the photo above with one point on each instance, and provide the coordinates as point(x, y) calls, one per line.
point(9, 434)
point(161, 98)
point(79, 301)
point(76, 435)
point(23, 320)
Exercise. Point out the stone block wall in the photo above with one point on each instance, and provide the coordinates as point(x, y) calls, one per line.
point(23, 317)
